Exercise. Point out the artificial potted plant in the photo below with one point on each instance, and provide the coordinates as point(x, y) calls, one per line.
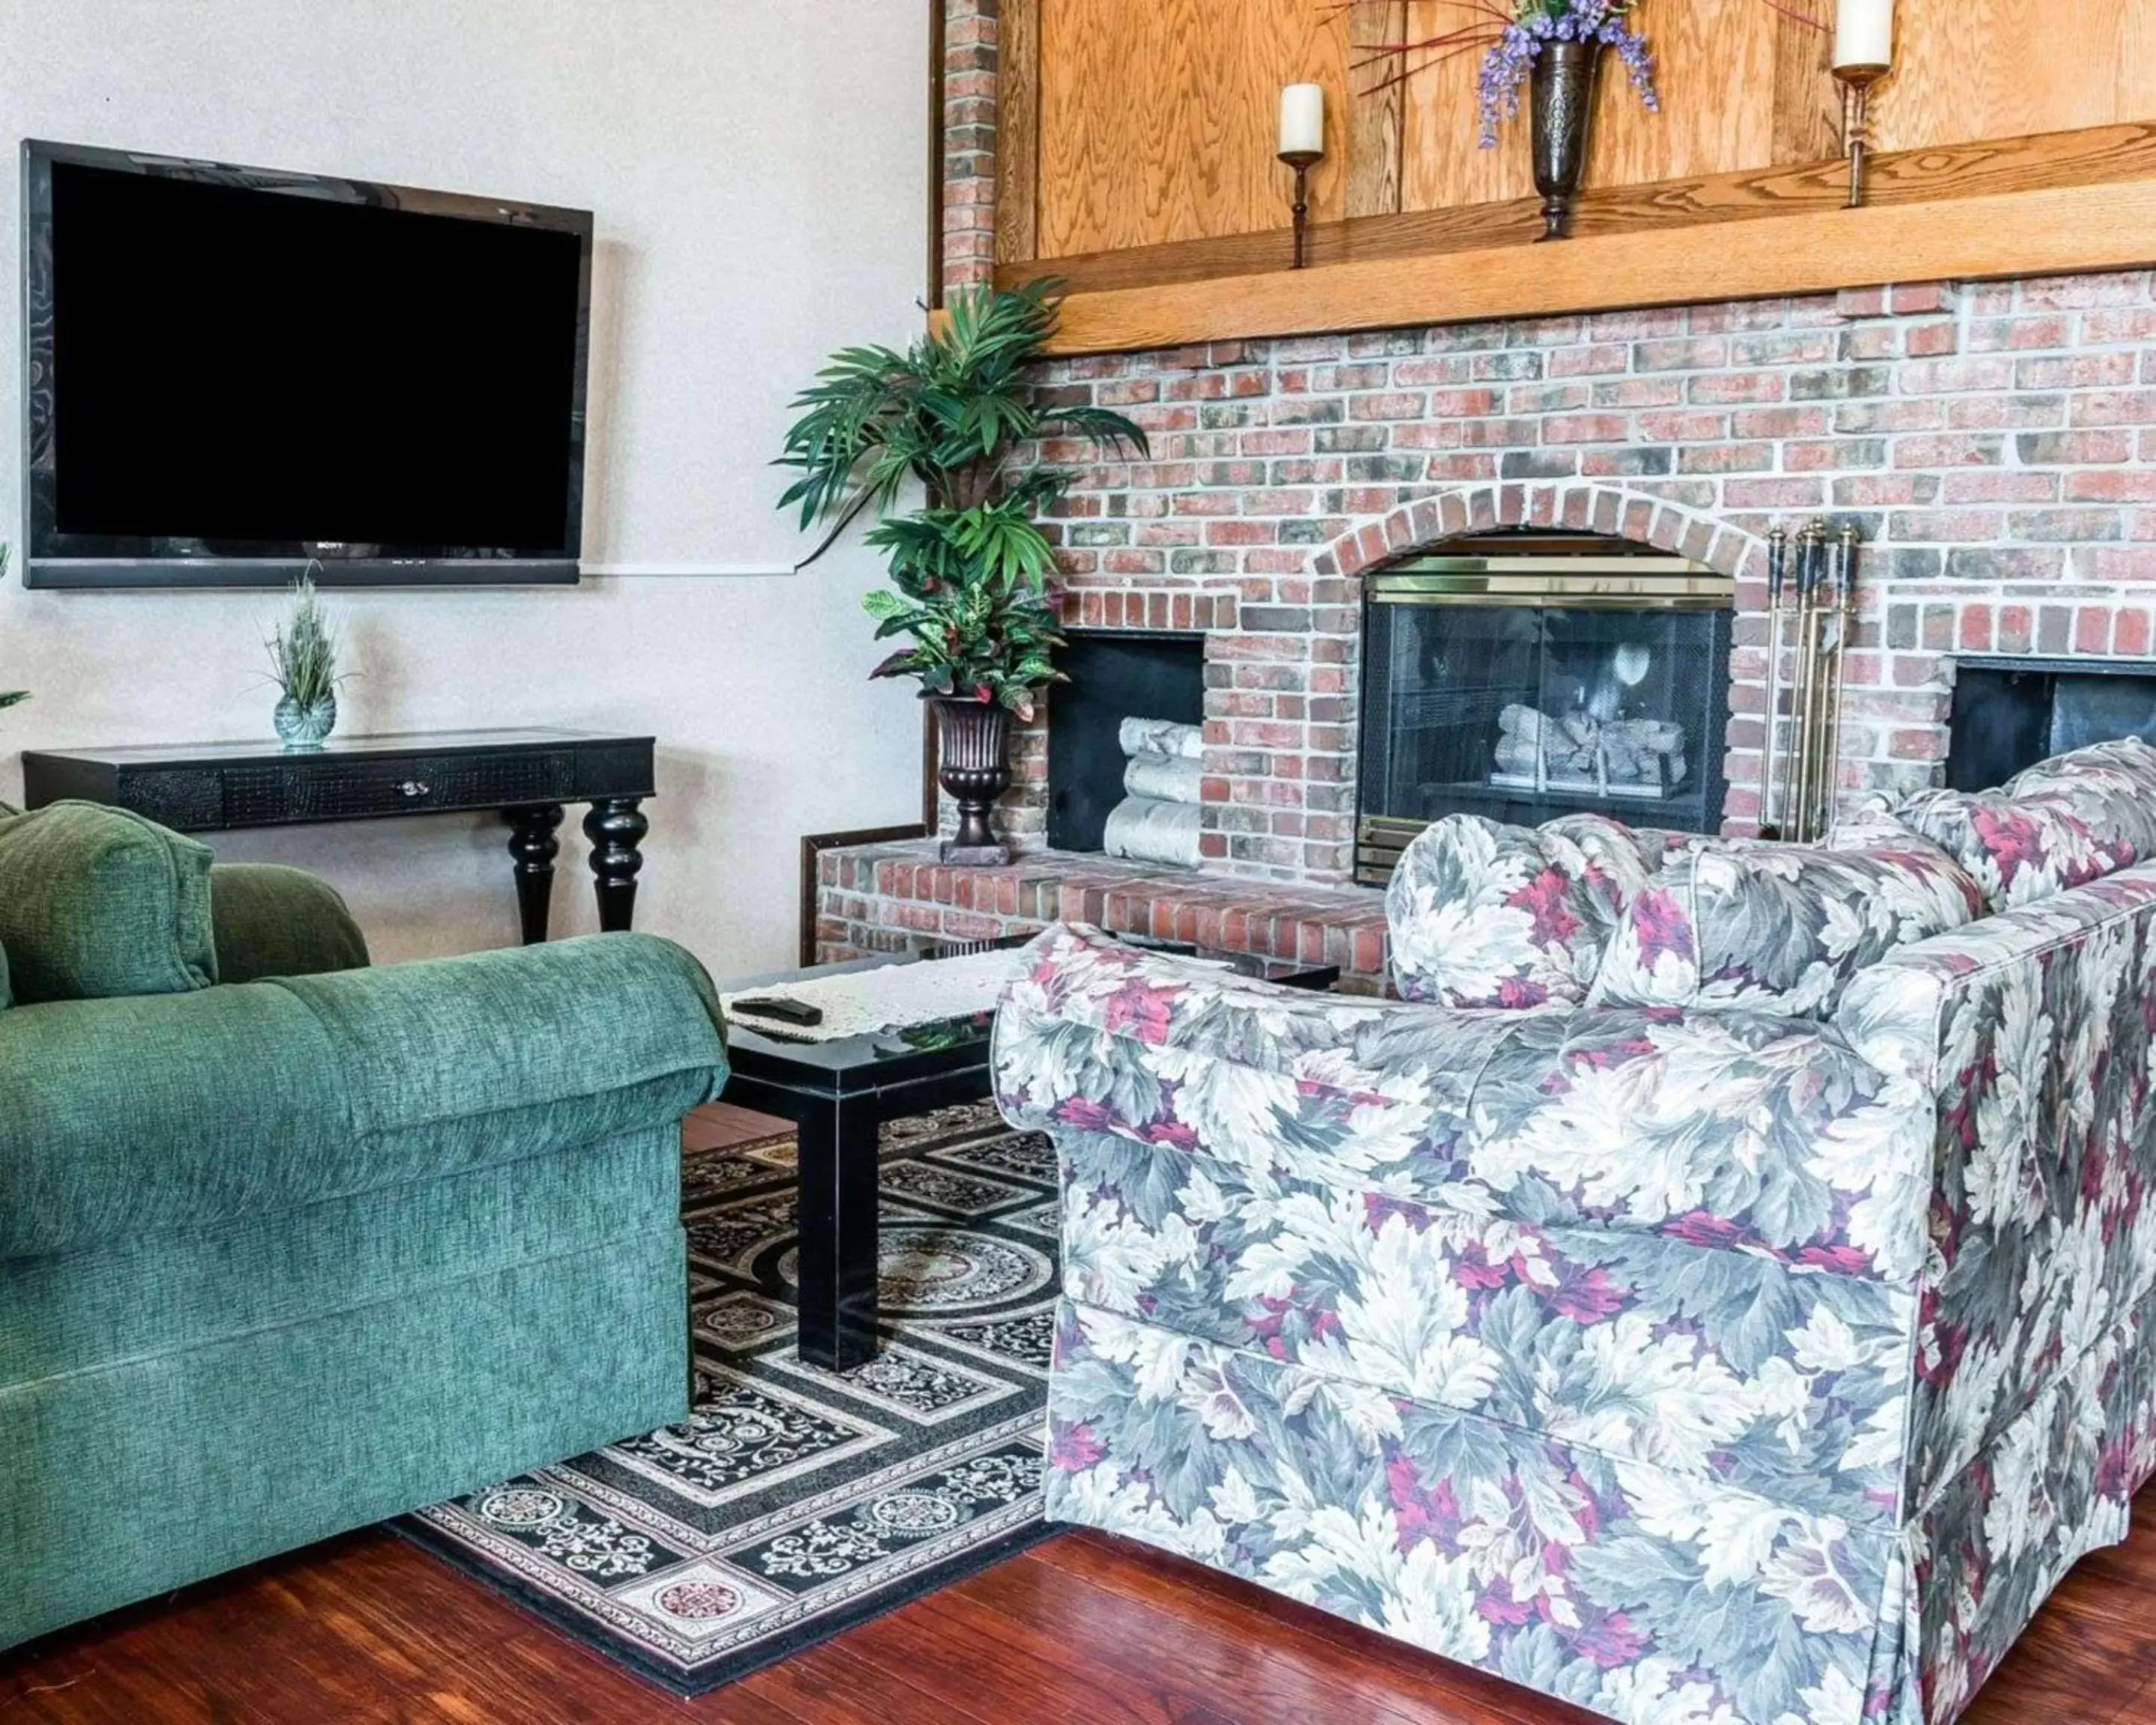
point(303, 655)
point(970, 572)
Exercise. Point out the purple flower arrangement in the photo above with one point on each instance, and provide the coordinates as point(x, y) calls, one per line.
point(1532, 25)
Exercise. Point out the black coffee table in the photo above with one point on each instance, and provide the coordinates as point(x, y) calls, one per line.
point(837, 1093)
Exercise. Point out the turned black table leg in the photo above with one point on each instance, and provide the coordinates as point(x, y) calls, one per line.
point(616, 828)
point(534, 847)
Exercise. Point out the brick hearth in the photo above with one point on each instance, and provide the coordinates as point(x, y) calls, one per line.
point(878, 898)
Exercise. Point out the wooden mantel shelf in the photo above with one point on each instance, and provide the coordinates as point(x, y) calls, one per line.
point(2079, 228)
point(2056, 204)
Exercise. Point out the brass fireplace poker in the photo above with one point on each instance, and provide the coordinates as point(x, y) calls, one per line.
point(1811, 596)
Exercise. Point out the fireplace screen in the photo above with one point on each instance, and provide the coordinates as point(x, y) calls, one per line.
point(1522, 687)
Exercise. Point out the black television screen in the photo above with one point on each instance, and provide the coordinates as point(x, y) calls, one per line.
point(236, 374)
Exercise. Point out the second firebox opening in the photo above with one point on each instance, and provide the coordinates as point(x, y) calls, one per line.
point(1116, 676)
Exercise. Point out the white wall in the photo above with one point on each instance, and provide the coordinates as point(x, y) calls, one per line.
point(758, 173)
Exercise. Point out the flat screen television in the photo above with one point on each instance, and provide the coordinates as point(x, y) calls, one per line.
point(234, 375)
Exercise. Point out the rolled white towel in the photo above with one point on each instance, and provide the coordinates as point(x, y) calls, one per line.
point(1165, 778)
point(1140, 829)
point(1161, 736)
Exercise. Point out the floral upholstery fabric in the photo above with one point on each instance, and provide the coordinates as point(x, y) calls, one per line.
point(1548, 1118)
point(1694, 1367)
point(2029, 1038)
point(2060, 825)
point(1778, 928)
point(1485, 915)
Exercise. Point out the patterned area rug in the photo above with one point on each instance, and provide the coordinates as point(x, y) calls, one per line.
point(797, 1502)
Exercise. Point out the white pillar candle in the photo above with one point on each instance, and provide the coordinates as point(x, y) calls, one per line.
point(1302, 120)
point(1864, 34)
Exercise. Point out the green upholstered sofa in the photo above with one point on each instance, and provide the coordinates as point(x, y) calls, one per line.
point(307, 1245)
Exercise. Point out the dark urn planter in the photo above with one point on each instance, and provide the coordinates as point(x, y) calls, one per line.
point(1561, 95)
point(972, 753)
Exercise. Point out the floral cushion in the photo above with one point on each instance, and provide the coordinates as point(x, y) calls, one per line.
point(2110, 785)
point(2061, 823)
point(1484, 915)
point(1730, 1129)
point(1778, 928)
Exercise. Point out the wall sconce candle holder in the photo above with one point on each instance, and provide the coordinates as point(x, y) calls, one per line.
point(1857, 82)
point(1301, 147)
point(1301, 161)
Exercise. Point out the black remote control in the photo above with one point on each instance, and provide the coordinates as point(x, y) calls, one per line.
point(794, 1012)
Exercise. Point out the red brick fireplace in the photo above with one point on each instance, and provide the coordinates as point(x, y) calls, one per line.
point(1994, 444)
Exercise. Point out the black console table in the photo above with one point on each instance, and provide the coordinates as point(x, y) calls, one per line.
point(528, 775)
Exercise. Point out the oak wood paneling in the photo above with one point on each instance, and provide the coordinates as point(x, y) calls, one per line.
point(1441, 165)
point(1158, 117)
point(2061, 229)
point(1714, 76)
point(1993, 68)
point(1807, 118)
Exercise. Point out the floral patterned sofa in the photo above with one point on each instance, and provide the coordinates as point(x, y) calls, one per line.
point(1717, 1294)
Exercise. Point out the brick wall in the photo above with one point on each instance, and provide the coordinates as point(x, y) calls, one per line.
point(969, 141)
point(1996, 443)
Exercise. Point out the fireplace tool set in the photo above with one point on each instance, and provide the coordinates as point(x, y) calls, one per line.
point(1811, 616)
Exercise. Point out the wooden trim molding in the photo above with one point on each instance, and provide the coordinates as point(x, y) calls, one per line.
point(2059, 230)
point(938, 172)
point(813, 847)
point(1017, 130)
point(2103, 155)
point(1376, 110)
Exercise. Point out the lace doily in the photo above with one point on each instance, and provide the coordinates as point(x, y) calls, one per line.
point(889, 998)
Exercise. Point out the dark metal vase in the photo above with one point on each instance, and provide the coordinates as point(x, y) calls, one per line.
point(972, 740)
point(1561, 95)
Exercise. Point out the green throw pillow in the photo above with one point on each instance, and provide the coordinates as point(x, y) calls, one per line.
point(7, 999)
point(96, 904)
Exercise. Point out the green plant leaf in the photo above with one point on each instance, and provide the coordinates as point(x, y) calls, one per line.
point(959, 414)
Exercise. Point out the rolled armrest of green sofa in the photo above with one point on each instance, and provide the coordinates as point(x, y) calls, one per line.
point(123, 1117)
point(271, 921)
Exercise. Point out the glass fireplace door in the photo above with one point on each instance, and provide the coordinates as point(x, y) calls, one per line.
point(1524, 711)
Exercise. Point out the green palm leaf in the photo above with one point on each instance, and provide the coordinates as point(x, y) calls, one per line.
point(971, 569)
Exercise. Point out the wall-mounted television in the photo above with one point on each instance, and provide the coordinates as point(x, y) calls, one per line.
point(234, 375)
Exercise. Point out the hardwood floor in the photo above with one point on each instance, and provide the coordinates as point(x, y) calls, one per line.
point(1081, 1629)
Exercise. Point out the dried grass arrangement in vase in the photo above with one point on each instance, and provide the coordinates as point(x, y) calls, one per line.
point(1552, 51)
point(303, 654)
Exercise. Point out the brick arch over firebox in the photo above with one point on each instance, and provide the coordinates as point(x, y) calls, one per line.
point(1425, 521)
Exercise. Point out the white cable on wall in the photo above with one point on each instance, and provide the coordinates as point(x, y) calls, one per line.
point(688, 568)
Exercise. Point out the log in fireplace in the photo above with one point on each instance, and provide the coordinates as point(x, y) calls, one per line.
point(1522, 676)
